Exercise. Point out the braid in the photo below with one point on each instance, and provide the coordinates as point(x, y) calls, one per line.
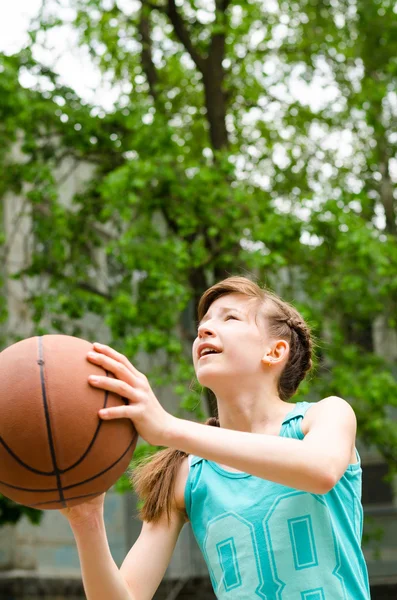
point(300, 357)
point(301, 329)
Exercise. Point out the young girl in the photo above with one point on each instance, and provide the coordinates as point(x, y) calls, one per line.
point(273, 494)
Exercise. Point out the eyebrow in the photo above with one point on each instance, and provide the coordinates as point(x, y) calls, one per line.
point(222, 311)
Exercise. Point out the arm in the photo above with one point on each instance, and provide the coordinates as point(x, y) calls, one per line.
point(145, 564)
point(314, 464)
point(143, 568)
point(148, 559)
point(101, 577)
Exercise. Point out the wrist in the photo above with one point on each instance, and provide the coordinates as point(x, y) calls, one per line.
point(82, 524)
point(171, 432)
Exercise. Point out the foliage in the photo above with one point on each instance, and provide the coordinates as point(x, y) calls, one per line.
point(249, 138)
point(10, 512)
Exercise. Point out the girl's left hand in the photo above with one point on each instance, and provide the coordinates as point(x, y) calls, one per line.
point(150, 419)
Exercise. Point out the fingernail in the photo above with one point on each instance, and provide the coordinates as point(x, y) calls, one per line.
point(97, 344)
point(103, 412)
point(91, 354)
point(93, 379)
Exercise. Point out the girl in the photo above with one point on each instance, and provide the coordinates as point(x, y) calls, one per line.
point(272, 493)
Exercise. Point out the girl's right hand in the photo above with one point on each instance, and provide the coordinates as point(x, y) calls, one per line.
point(91, 509)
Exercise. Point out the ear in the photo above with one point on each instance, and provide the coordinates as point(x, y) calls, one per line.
point(276, 354)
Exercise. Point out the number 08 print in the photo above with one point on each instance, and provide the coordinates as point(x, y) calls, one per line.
point(297, 537)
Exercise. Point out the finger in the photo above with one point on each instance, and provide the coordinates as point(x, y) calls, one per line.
point(116, 386)
point(115, 412)
point(114, 366)
point(108, 351)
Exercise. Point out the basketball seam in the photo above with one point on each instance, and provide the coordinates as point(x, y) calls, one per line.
point(41, 504)
point(82, 457)
point(73, 485)
point(23, 464)
point(41, 363)
point(61, 471)
point(68, 487)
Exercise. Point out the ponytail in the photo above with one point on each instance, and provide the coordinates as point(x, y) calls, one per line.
point(154, 479)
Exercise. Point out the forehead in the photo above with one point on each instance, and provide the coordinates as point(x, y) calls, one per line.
point(240, 302)
point(251, 308)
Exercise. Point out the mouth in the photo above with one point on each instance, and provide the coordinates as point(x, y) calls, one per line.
point(206, 352)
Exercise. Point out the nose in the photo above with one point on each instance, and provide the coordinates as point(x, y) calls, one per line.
point(205, 330)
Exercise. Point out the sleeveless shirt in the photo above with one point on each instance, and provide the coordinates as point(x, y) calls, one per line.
point(261, 539)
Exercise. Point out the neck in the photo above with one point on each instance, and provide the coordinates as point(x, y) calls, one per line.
point(255, 413)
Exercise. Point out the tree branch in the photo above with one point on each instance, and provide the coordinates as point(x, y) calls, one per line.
point(183, 35)
point(83, 285)
point(224, 4)
point(153, 6)
point(147, 61)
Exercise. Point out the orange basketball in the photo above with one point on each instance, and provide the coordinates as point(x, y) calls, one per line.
point(55, 451)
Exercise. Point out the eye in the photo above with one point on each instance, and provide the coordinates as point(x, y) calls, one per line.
point(231, 317)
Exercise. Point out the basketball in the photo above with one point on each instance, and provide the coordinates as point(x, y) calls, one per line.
point(55, 451)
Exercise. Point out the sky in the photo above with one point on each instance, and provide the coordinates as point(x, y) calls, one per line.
point(14, 20)
point(76, 68)
point(73, 63)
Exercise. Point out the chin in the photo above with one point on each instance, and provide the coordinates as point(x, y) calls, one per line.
point(209, 378)
point(204, 380)
point(204, 376)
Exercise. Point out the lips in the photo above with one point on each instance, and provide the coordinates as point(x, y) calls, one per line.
point(208, 350)
point(208, 354)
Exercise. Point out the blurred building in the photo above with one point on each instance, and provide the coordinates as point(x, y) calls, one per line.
point(42, 562)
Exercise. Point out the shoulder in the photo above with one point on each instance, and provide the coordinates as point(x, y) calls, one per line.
point(179, 488)
point(330, 409)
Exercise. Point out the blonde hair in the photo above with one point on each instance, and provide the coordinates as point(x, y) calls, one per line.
point(154, 479)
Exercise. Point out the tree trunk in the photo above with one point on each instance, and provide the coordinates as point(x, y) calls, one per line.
point(214, 75)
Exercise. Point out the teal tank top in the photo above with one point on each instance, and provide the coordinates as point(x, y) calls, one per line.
point(265, 540)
